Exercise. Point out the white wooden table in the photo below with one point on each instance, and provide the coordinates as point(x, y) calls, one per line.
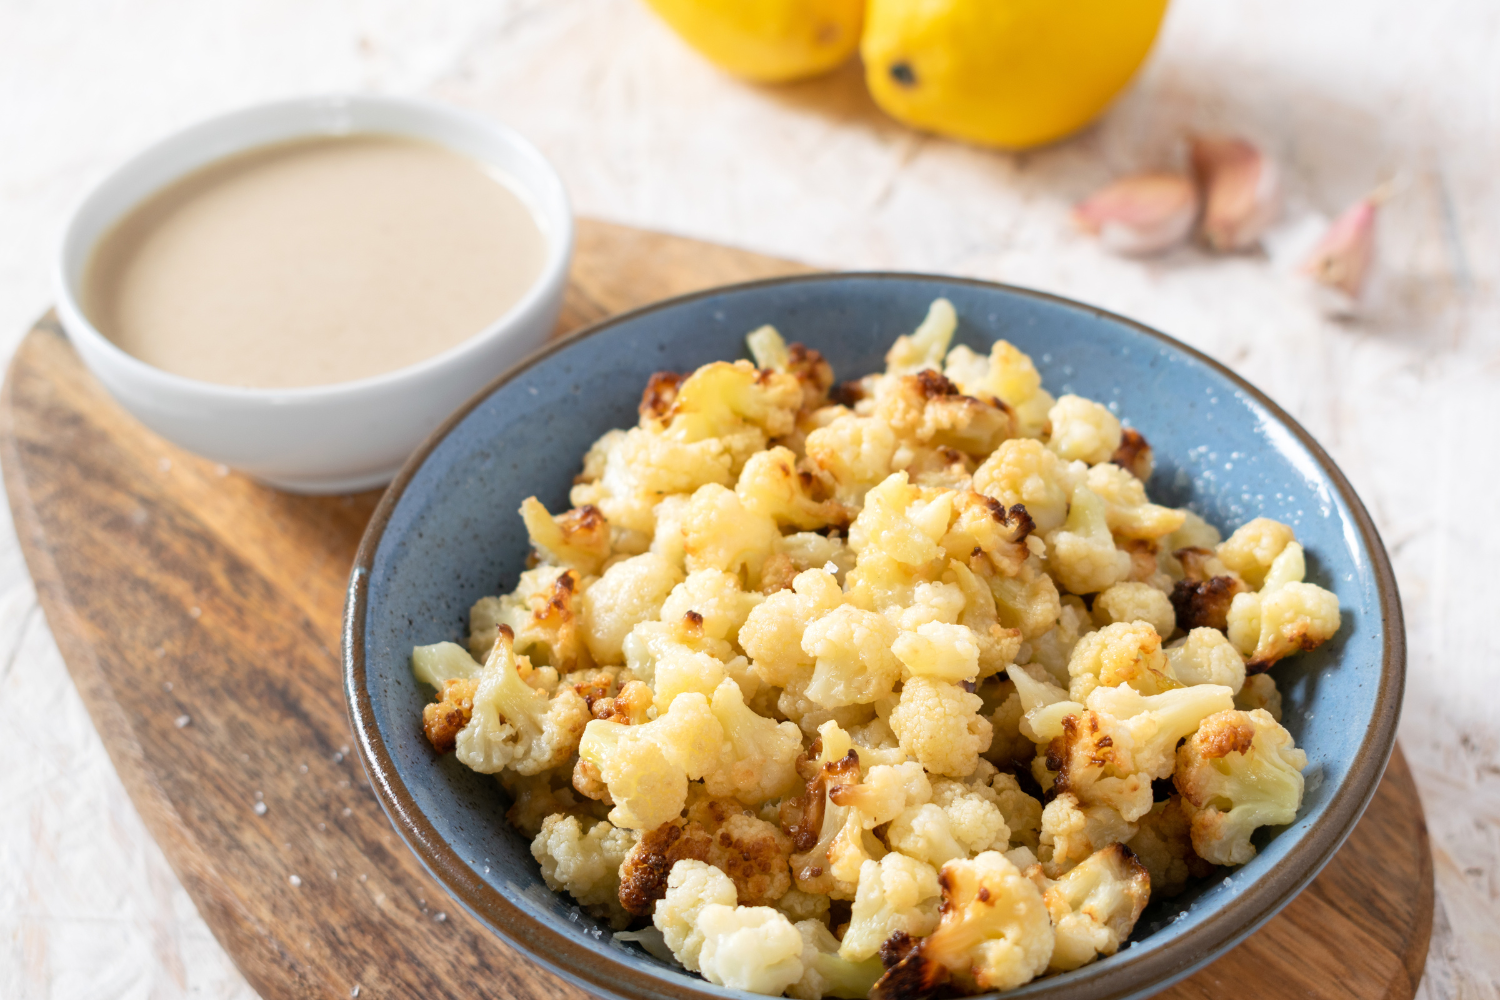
point(1346, 92)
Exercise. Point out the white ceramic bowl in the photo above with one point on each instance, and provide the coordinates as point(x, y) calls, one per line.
point(350, 435)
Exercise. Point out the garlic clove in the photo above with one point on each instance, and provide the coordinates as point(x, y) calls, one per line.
point(1343, 257)
point(1143, 214)
point(1241, 191)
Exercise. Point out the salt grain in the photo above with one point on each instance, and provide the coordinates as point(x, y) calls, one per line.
point(363, 877)
point(354, 992)
point(165, 465)
point(441, 917)
point(181, 721)
point(322, 826)
point(167, 686)
point(303, 768)
point(296, 882)
point(338, 758)
point(260, 808)
point(195, 611)
point(348, 812)
point(221, 469)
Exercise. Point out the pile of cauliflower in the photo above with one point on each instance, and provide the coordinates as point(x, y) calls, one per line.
point(887, 690)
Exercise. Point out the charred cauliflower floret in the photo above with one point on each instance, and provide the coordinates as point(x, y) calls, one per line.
point(1238, 772)
point(1095, 905)
point(1207, 588)
point(577, 538)
point(1134, 454)
point(1083, 431)
point(1132, 602)
point(1164, 844)
point(925, 409)
point(994, 933)
point(585, 863)
point(896, 893)
point(629, 592)
point(638, 467)
point(752, 852)
point(771, 485)
point(515, 726)
point(939, 724)
point(826, 972)
point(1022, 471)
point(542, 614)
point(804, 364)
point(1285, 616)
point(1007, 375)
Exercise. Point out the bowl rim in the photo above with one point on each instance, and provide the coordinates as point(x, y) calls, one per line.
point(303, 121)
point(1128, 974)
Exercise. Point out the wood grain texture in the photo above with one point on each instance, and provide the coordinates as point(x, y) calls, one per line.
point(199, 615)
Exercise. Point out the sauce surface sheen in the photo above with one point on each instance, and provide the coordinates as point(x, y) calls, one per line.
point(312, 262)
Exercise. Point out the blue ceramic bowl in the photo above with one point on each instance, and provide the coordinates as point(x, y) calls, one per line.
point(447, 533)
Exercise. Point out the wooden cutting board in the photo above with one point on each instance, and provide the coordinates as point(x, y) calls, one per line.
point(199, 615)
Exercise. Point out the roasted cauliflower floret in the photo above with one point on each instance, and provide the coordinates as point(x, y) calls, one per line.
point(1082, 552)
point(983, 528)
point(994, 933)
point(1122, 653)
point(1127, 511)
point(720, 533)
point(902, 521)
point(885, 791)
point(1022, 471)
point(1082, 430)
point(1007, 375)
point(771, 486)
point(825, 833)
point(543, 616)
point(1021, 812)
point(1070, 833)
point(855, 452)
point(444, 718)
point(959, 822)
point(938, 651)
point(826, 972)
point(647, 767)
point(1238, 772)
point(640, 467)
point(926, 346)
point(718, 599)
point(1130, 602)
point(758, 757)
point(513, 725)
point(896, 893)
point(1205, 656)
point(1259, 692)
point(939, 724)
point(577, 538)
point(1134, 454)
point(585, 863)
point(629, 592)
point(853, 657)
point(773, 630)
point(691, 887)
point(807, 366)
point(1028, 601)
point(1095, 905)
point(1164, 844)
point(1054, 648)
point(1253, 547)
point(1285, 616)
point(925, 409)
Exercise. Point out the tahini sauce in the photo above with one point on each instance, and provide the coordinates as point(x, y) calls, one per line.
point(312, 262)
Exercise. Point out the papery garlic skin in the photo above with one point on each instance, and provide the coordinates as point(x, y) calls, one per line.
point(1241, 191)
point(1343, 257)
point(1143, 214)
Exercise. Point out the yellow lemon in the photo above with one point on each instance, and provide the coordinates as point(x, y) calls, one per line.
point(768, 40)
point(1004, 72)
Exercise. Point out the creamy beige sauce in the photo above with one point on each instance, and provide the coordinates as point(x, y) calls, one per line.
point(311, 262)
